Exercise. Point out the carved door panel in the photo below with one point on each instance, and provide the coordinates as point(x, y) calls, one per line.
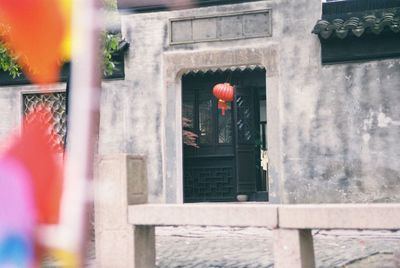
point(227, 159)
point(209, 170)
point(247, 141)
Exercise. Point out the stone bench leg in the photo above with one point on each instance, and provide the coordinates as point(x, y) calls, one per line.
point(144, 246)
point(121, 181)
point(293, 249)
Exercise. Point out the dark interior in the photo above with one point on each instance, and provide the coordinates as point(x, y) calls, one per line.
point(227, 160)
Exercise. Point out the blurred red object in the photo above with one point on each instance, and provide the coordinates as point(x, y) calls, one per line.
point(36, 31)
point(224, 93)
point(39, 158)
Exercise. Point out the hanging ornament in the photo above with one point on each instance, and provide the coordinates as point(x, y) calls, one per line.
point(224, 93)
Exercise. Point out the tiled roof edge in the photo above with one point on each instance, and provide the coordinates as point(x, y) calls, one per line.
point(373, 21)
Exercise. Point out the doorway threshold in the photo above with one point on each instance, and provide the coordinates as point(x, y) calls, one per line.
point(260, 196)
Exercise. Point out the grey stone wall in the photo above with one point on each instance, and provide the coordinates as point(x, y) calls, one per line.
point(9, 113)
point(332, 130)
point(344, 145)
point(11, 108)
point(148, 119)
point(341, 122)
point(338, 124)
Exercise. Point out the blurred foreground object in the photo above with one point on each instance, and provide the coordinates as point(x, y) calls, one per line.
point(30, 189)
point(37, 35)
point(36, 152)
point(83, 121)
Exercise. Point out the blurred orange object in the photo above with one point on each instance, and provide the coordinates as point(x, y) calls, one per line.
point(38, 157)
point(36, 34)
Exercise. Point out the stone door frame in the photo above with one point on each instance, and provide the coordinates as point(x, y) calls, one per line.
point(176, 64)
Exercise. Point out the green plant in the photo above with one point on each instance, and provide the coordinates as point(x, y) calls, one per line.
point(111, 42)
point(110, 5)
point(8, 63)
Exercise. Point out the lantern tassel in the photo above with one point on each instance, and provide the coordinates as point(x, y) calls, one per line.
point(222, 105)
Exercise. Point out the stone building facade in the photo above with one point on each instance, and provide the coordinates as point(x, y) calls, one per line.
point(332, 129)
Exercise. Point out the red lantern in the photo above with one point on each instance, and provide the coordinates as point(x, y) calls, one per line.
point(224, 93)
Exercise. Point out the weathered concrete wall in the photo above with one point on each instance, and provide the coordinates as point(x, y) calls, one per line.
point(341, 122)
point(11, 108)
point(332, 130)
point(151, 113)
point(130, 123)
point(338, 124)
point(9, 112)
point(344, 146)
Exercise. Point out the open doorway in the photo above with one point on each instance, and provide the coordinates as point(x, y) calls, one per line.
point(227, 157)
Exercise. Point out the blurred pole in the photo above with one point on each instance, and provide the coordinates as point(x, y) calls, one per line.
point(68, 85)
point(83, 124)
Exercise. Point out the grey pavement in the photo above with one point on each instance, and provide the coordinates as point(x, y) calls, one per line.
point(252, 247)
point(212, 247)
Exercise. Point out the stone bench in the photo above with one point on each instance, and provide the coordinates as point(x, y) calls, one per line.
point(217, 214)
point(340, 216)
point(293, 242)
point(124, 223)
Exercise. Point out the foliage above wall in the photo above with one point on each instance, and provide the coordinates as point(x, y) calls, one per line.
point(8, 63)
point(111, 41)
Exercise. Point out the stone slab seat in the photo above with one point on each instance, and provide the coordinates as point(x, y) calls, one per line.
point(238, 215)
point(340, 216)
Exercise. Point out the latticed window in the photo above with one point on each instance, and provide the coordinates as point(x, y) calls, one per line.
point(55, 103)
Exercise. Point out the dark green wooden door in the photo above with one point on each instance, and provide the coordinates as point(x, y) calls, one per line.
point(226, 161)
point(247, 139)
